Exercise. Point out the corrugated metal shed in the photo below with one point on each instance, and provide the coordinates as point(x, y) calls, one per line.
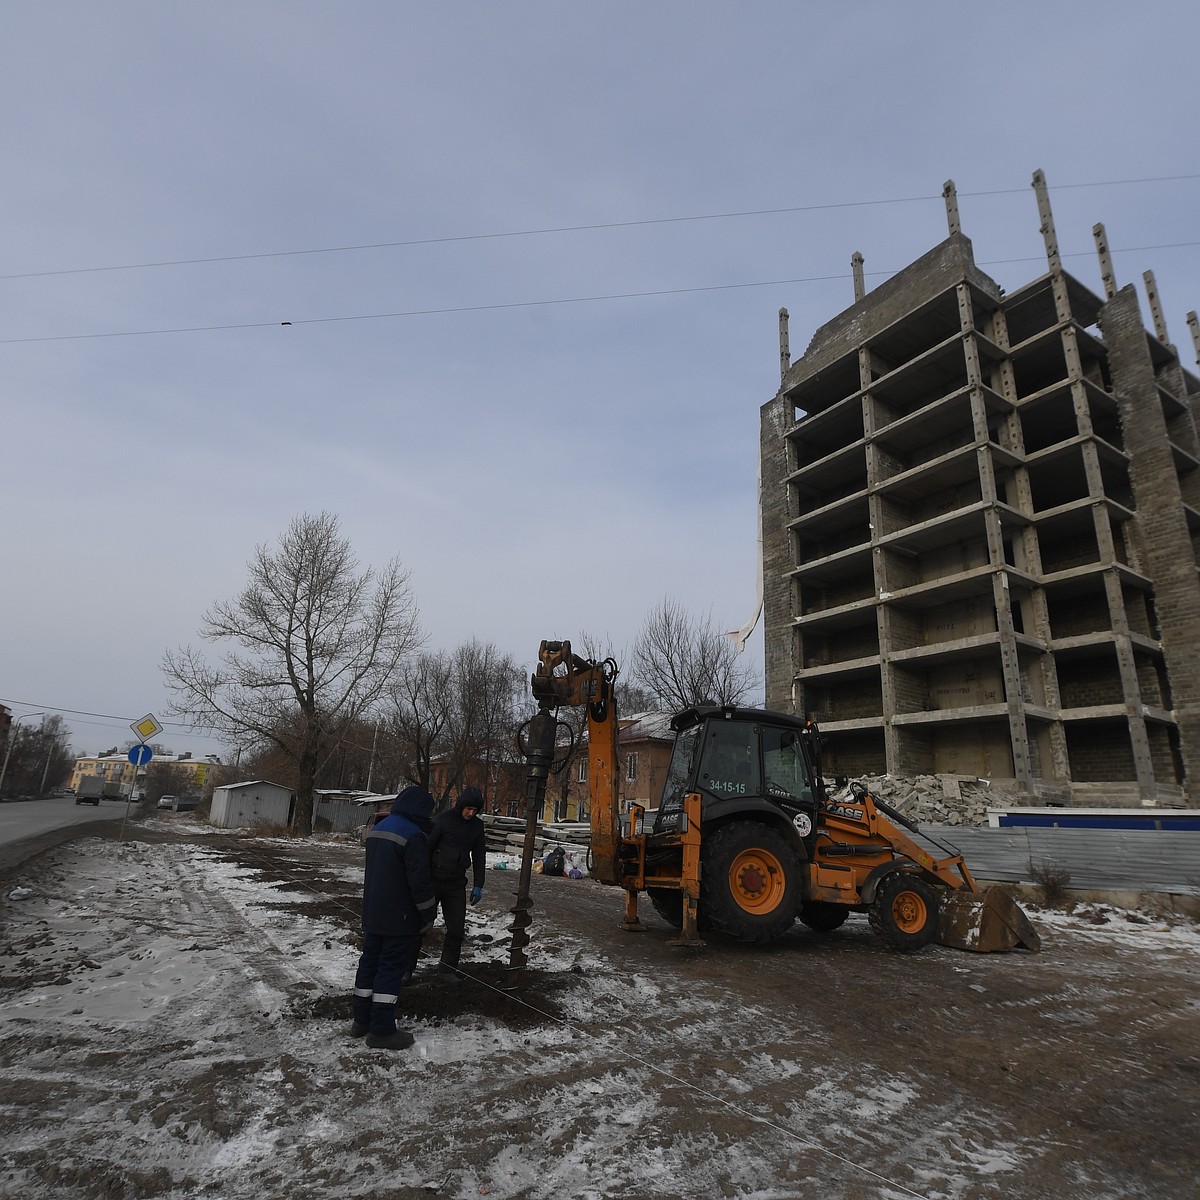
point(258, 802)
point(344, 816)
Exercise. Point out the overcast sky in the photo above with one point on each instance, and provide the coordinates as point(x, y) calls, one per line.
point(553, 427)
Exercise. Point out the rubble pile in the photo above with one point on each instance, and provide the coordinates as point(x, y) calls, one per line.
point(939, 799)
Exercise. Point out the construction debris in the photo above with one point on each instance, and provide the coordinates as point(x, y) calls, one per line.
point(942, 799)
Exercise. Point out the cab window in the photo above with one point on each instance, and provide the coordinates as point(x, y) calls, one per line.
point(784, 769)
point(679, 771)
point(730, 764)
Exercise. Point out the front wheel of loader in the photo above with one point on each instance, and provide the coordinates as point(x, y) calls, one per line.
point(905, 912)
point(750, 884)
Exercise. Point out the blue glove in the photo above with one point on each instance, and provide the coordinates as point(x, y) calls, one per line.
point(476, 893)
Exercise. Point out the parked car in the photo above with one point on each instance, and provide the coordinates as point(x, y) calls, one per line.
point(372, 821)
point(185, 803)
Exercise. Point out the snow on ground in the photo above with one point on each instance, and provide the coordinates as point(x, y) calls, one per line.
point(172, 1025)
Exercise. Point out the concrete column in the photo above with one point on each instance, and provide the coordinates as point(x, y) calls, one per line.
point(776, 418)
point(1165, 536)
point(950, 195)
point(883, 614)
point(1107, 275)
point(1035, 613)
point(1131, 688)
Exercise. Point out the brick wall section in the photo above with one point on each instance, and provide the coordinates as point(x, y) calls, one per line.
point(1063, 553)
point(1165, 759)
point(1168, 546)
point(1073, 615)
point(1099, 754)
point(1090, 682)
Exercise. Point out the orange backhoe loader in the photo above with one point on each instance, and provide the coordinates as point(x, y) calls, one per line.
point(746, 838)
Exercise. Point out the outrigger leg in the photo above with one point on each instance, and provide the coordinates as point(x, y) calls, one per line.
point(631, 922)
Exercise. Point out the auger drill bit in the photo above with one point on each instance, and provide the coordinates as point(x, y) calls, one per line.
point(539, 754)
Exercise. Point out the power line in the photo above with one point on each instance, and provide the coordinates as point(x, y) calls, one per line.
point(552, 229)
point(78, 712)
point(469, 308)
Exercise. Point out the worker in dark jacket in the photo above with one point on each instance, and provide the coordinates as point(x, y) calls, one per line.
point(456, 843)
point(398, 906)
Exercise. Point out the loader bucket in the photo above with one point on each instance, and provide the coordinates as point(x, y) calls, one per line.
point(984, 921)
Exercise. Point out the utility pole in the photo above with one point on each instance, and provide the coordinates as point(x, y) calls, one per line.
point(371, 764)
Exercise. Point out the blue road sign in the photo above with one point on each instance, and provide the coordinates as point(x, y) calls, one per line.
point(140, 755)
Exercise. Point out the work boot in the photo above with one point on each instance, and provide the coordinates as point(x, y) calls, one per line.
point(358, 1029)
point(398, 1039)
point(448, 975)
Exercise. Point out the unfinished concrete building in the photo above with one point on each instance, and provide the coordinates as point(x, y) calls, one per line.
point(981, 526)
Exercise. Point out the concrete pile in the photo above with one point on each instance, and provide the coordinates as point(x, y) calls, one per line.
point(506, 835)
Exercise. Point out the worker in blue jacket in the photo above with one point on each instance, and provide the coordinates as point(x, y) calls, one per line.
point(398, 906)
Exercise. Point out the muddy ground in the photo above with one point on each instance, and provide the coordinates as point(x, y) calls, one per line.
point(172, 1016)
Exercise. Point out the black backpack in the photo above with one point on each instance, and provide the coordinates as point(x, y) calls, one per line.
point(554, 862)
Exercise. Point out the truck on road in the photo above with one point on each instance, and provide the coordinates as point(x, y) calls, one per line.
point(94, 788)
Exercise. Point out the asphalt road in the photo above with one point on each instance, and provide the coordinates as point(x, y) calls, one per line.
point(29, 826)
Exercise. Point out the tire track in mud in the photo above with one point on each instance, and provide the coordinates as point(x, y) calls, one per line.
point(261, 960)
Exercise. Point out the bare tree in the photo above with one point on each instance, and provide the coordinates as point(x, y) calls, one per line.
point(315, 643)
point(36, 758)
point(458, 707)
point(166, 779)
point(683, 660)
point(420, 714)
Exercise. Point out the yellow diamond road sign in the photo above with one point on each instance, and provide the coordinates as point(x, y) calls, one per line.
point(147, 727)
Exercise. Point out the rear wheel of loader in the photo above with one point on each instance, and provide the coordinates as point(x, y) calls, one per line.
point(822, 917)
point(905, 912)
point(750, 883)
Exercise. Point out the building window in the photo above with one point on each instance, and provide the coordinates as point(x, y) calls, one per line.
point(582, 776)
point(631, 767)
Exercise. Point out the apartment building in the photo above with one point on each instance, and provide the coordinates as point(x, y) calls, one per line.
point(116, 768)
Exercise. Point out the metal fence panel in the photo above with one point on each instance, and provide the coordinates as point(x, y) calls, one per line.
point(1135, 860)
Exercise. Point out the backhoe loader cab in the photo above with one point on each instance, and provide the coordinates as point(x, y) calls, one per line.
point(742, 761)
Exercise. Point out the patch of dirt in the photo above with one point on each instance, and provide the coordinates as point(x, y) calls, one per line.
point(486, 990)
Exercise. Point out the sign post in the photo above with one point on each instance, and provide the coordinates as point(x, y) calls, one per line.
point(139, 755)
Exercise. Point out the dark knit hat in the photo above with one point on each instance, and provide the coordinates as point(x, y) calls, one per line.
point(469, 797)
